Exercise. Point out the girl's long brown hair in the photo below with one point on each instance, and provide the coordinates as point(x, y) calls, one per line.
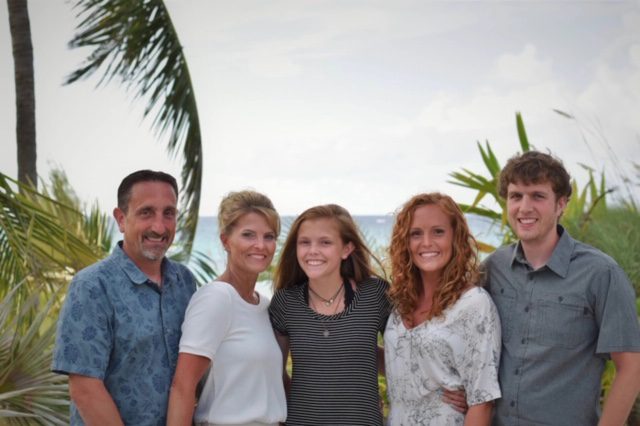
point(356, 267)
point(459, 273)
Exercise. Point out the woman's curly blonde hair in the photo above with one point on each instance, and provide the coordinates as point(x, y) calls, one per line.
point(461, 271)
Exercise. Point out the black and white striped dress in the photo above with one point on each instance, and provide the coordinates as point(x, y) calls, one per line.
point(335, 375)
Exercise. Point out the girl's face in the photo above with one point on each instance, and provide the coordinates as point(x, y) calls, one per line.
point(320, 250)
point(250, 244)
point(430, 240)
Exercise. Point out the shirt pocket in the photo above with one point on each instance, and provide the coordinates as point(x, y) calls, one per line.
point(563, 321)
point(505, 300)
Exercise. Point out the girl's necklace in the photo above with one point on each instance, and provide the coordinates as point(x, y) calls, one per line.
point(326, 332)
point(329, 301)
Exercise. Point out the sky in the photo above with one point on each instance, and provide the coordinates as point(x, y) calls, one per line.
point(363, 103)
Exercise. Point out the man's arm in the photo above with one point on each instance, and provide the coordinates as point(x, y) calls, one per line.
point(94, 402)
point(479, 415)
point(624, 389)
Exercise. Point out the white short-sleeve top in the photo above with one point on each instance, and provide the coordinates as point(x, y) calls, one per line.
point(244, 384)
point(459, 349)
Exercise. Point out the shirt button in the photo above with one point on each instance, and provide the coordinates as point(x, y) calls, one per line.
point(517, 371)
point(526, 309)
point(513, 403)
point(523, 341)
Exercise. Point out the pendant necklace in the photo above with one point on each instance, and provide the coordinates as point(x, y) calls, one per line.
point(325, 332)
point(329, 301)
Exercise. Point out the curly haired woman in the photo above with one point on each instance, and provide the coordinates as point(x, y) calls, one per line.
point(444, 331)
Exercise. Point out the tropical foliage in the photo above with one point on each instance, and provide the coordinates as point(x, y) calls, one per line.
point(136, 43)
point(44, 240)
point(29, 392)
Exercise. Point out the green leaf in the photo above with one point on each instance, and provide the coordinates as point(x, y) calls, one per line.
point(522, 133)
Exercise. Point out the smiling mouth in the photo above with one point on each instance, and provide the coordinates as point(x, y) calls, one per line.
point(314, 262)
point(156, 239)
point(258, 256)
point(527, 221)
point(429, 255)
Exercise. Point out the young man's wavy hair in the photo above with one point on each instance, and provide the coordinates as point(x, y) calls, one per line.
point(535, 167)
point(356, 267)
point(461, 271)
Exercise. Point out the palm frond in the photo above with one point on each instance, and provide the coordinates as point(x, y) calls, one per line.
point(29, 392)
point(136, 42)
point(44, 239)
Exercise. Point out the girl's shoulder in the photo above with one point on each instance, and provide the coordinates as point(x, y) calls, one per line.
point(373, 285)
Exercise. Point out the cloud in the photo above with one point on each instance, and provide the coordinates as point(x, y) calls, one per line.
point(524, 67)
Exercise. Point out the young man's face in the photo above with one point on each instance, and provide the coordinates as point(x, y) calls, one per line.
point(534, 211)
point(149, 224)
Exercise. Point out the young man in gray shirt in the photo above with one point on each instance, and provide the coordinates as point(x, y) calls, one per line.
point(565, 309)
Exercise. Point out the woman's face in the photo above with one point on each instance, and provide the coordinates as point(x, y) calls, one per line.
point(320, 250)
point(430, 240)
point(251, 244)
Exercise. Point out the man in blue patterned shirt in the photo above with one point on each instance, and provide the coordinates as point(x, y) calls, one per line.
point(119, 329)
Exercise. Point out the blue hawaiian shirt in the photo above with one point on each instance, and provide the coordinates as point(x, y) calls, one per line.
point(118, 326)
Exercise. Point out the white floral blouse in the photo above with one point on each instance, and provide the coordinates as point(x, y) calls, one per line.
point(457, 350)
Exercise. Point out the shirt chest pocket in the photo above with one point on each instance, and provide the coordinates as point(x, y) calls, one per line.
point(505, 300)
point(562, 321)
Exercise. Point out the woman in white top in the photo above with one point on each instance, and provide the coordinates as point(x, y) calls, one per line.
point(226, 329)
point(444, 331)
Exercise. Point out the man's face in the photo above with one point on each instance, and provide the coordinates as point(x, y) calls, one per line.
point(149, 223)
point(533, 211)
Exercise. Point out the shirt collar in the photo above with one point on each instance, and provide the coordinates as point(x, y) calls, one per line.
point(560, 258)
point(169, 272)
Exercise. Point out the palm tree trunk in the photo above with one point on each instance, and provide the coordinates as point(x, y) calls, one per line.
point(25, 93)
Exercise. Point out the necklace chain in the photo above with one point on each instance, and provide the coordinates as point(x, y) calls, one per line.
point(329, 301)
point(325, 332)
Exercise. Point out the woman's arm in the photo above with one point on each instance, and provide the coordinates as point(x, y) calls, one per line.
point(182, 399)
point(479, 415)
point(283, 342)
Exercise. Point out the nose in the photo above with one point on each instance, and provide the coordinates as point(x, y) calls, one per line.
point(526, 204)
point(426, 240)
point(157, 225)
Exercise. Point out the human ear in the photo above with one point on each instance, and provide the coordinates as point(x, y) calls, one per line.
point(119, 216)
point(224, 240)
point(347, 250)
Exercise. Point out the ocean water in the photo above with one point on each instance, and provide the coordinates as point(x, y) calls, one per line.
point(375, 229)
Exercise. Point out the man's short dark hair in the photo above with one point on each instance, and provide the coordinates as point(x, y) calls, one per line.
point(124, 190)
point(534, 167)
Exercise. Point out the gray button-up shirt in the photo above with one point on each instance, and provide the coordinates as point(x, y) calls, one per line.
point(559, 324)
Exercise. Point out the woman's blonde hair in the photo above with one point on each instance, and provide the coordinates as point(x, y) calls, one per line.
point(459, 273)
point(357, 266)
point(237, 204)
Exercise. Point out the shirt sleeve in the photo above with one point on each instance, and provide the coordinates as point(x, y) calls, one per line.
point(478, 364)
point(277, 312)
point(84, 337)
point(206, 321)
point(616, 314)
point(385, 306)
